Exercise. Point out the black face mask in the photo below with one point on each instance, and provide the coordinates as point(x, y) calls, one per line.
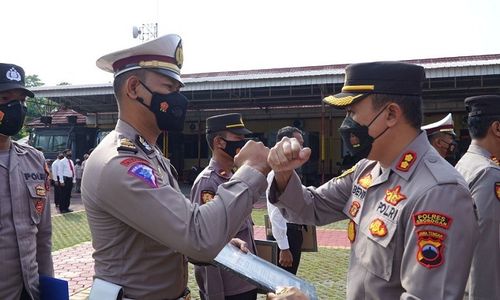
point(361, 143)
point(12, 116)
point(233, 147)
point(169, 109)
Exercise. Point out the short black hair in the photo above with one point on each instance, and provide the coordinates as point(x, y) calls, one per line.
point(211, 136)
point(478, 125)
point(287, 131)
point(410, 105)
point(120, 80)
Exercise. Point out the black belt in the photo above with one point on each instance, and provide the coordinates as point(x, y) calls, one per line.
point(294, 226)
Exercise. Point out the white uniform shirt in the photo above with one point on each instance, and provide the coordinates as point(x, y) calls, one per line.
point(278, 222)
point(65, 170)
point(55, 169)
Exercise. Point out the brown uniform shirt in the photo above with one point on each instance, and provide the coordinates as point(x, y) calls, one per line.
point(142, 225)
point(25, 224)
point(483, 176)
point(215, 283)
point(412, 226)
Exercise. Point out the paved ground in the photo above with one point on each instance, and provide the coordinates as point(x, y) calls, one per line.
point(76, 265)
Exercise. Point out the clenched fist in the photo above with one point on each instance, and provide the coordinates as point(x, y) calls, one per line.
point(253, 154)
point(287, 155)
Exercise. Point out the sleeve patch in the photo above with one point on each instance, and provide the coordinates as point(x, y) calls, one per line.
point(145, 173)
point(432, 218)
point(206, 196)
point(430, 248)
point(132, 160)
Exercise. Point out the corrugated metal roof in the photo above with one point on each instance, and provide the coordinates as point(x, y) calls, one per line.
point(328, 74)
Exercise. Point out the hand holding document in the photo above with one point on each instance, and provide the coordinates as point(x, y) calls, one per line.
point(260, 272)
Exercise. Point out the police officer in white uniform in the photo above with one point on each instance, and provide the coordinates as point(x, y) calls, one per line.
point(481, 170)
point(412, 227)
point(442, 136)
point(25, 225)
point(142, 225)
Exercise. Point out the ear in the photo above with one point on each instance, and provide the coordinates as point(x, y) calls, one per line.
point(394, 114)
point(495, 128)
point(218, 141)
point(131, 86)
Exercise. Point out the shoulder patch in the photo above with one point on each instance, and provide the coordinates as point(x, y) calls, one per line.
point(206, 196)
point(430, 248)
point(133, 160)
point(431, 218)
point(145, 173)
point(346, 172)
point(126, 145)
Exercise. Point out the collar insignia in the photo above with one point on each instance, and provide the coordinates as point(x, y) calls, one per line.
point(406, 161)
point(497, 190)
point(144, 145)
point(394, 196)
point(378, 228)
point(206, 196)
point(125, 144)
point(365, 181)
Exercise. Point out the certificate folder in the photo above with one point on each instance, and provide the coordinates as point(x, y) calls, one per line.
point(53, 288)
point(263, 274)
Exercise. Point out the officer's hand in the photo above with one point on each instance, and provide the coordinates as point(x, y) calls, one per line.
point(287, 293)
point(242, 245)
point(287, 155)
point(253, 154)
point(286, 258)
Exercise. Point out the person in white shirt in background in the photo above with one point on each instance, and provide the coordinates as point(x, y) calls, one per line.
point(78, 175)
point(55, 178)
point(66, 180)
point(287, 235)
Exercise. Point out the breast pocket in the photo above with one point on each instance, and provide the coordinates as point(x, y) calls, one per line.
point(37, 197)
point(375, 247)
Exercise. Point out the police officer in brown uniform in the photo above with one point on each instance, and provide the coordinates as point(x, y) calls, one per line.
point(412, 227)
point(225, 136)
point(481, 170)
point(142, 225)
point(25, 225)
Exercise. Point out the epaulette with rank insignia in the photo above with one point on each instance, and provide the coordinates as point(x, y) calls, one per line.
point(126, 145)
point(346, 172)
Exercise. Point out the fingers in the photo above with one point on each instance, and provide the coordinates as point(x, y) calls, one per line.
point(242, 245)
point(287, 155)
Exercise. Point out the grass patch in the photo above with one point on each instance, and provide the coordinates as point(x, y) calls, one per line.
point(69, 229)
point(258, 219)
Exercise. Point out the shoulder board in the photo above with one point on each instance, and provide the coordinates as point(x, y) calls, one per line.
point(126, 145)
point(442, 171)
point(346, 172)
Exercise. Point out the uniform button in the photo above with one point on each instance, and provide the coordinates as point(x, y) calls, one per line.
point(433, 160)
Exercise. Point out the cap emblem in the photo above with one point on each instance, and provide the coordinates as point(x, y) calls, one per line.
point(13, 74)
point(179, 56)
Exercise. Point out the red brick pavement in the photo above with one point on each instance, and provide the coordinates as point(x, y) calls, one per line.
point(76, 264)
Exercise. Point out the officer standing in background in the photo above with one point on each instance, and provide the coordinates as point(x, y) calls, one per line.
point(25, 224)
point(480, 168)
point(55, 178)
point(412, 226)
point(225, 136)
point(287, 235)
point(142, 225)
point(442, 136)
point(67, 178)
